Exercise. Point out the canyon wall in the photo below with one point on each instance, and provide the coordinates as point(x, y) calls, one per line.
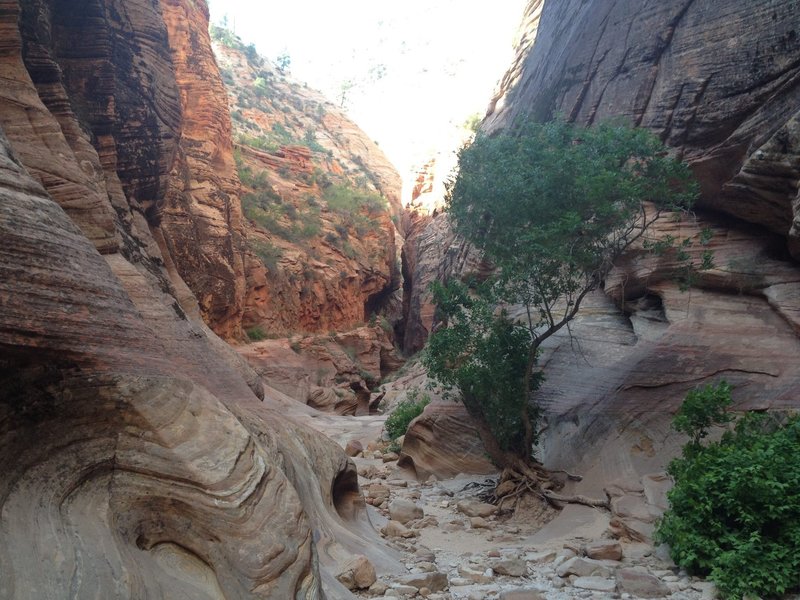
point(719, 83)
point(144, 458)
point(320, 199)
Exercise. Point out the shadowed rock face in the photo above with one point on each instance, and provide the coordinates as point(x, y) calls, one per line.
point(144, 458)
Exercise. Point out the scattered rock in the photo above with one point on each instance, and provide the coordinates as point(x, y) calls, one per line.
point(583, 567)
point(604, 550)
point(596, 584)
point(396, 529)
point(474, 575)
point(435, 581)
point(403, 510)
point(357, 574)
point(378, 588)
point(544, 556)
point(513, 567)
point(478, 523)
point(641, 584)
point(390, 457)
point(522, 594)
point(353, 448)
point(474, 508)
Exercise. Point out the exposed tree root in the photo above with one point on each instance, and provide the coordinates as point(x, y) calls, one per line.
point(536, 480)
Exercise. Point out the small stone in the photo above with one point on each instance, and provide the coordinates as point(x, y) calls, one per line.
point(545, 556)
point(596, 584)
point(435, 582)
point(403, 510)
point(357, 574)
point(390, 457)
point(378, 588)
point(424, 592)
point(604, 550)
point(643, 585)
point(513, 567)
point(491, 553)
point(473, 508)
point(474, 575)
point(522, 594)
point(478, 523)
point(404, 590)
point(353, 448)
point(583, 567)
point(396, 529)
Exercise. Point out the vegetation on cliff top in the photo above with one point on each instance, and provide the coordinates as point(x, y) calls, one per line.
point(551, 206)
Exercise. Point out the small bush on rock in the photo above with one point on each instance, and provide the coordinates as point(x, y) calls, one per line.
point(406, 411)
point(735, 509)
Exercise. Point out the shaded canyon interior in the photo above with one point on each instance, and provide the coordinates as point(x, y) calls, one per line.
point(149, 451)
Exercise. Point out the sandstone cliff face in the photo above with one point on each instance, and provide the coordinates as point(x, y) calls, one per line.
point(717, 81)
point(314, 265)
point(148, 459)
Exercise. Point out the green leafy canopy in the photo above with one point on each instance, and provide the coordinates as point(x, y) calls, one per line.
point(551, 206)
point(734, 512)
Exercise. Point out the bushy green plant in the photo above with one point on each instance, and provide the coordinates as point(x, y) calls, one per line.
point(734, 512)
point(268, 253)
point(256, 334)
point(405, 412)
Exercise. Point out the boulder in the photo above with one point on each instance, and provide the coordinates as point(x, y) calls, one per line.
point(583, 567)
point(435, 581)
point(641, 584)
point(403, 511)
point(475, 508)
point(395, 529)
point(513, 567)
point(353, 448)
point(604, 550)
point(596, 584)
point(357, 574)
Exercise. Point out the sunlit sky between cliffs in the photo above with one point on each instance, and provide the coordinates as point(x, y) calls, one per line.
point(418, 68)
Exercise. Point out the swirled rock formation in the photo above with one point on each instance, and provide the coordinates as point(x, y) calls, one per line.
point(142, 457)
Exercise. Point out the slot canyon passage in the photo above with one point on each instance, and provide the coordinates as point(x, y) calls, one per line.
point(215, 287)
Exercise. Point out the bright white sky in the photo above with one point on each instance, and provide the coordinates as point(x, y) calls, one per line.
point(442, 59)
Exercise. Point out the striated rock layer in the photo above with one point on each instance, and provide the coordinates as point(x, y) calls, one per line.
point(719, 81)
point(144, 458)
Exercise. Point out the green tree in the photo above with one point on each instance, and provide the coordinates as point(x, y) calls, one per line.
point(551, 206)
point(734, 512)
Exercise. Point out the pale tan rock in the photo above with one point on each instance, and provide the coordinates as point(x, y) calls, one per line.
point(479, 523)
point(396, 529)
point(403, 510)
point(433, 581)
point(353, 448)
point(357, 574)
point(513, 567)
point(604, 550)
point(475, 508)
point(641, 584)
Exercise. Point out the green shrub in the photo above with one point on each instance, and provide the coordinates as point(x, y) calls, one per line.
point(405, 412)
point(268, 253)
point(734, 512)
point(256, 334)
